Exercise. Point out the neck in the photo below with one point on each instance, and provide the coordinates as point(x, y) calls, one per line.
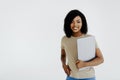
point(77, 34)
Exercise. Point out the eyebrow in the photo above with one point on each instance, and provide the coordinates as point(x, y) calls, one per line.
point(77, 20)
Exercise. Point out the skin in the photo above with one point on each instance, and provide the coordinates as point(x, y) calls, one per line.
point(63, 59)
point(75, 26)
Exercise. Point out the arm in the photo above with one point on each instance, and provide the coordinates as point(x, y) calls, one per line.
point(96, 61)
point(63, 56)
point(63, 60)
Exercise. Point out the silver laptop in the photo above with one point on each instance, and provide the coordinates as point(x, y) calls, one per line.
point(86, 49)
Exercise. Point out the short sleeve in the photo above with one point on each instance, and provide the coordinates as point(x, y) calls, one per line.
point(62, 43)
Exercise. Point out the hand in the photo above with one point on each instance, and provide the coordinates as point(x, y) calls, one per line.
point(80, 64)
point(67, 69)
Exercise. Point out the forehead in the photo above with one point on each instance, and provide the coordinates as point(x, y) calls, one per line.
point(77, 18)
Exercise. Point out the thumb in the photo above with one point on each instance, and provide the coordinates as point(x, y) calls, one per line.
point(77, 61)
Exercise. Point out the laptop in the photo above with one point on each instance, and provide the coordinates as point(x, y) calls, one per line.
point(86, 49)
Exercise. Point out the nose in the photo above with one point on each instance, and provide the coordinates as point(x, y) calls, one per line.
point(75, 24)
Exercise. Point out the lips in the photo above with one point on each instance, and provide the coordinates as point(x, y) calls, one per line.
point(75, 28)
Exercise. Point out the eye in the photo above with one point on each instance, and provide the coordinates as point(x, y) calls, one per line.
point(78, 21)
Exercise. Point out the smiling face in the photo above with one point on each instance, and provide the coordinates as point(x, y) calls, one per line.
point(76, 24)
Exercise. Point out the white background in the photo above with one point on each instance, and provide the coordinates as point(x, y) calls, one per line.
point(31, 31)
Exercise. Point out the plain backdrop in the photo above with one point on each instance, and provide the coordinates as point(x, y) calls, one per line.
point(31, 32)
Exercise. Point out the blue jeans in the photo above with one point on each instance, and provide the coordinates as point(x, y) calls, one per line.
point(71, 78)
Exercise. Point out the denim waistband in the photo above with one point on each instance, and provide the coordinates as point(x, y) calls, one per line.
point(71, 78)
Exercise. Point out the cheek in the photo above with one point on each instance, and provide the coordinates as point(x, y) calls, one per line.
point(71, 25)
point(80, 25)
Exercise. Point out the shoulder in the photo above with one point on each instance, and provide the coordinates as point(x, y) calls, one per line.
point(64, 37)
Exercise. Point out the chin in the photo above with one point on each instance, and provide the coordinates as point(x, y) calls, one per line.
point(75, 31)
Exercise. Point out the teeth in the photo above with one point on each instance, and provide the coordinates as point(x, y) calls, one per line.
point(75, 28)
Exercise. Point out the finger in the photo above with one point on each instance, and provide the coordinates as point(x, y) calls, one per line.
point(77, 62)
point(69, 68)
point(68, 72)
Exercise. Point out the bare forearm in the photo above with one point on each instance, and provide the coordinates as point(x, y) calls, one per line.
point(94, 62)
point(63, 57)
point(97, 60)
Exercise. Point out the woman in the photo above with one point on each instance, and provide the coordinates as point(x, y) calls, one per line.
point(75, 27)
